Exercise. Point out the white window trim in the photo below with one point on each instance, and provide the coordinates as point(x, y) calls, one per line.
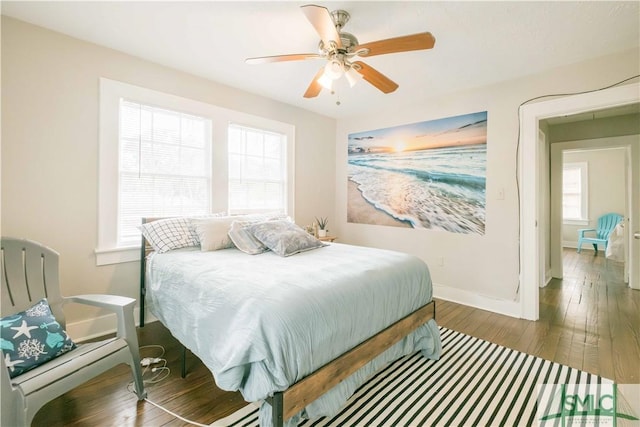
point(107, 251)
point(287, 155)
point(575, 221)
point(584, 192)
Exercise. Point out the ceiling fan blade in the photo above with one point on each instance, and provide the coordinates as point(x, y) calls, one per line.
point(375, 77)
point(314, 88)
point(321, 20)
point(282, 58)
point(418, 41)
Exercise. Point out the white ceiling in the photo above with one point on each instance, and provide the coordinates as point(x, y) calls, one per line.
point(477, 43)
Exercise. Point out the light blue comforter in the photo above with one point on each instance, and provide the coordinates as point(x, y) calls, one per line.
point(261, 323)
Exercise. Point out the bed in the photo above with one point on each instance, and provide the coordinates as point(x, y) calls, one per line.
point(299, 333)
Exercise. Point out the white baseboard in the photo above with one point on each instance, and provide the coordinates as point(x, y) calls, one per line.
point(99, 326)
point(460, 296)
point(548, 277)
point(574, 245)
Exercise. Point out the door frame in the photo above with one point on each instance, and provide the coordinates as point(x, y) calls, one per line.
point(529, 185)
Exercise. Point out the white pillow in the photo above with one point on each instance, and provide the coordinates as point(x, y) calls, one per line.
point(167, 234)
point(173, 233)
point(213, 233)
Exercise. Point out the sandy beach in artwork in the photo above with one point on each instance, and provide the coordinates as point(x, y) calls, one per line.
point(361, 211)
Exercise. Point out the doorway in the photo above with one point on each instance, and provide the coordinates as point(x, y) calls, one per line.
point(531, 234)
point(603, 166)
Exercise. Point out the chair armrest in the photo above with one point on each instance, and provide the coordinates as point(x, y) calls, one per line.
point(581, 231)
point(121, 306)
point(110, 302)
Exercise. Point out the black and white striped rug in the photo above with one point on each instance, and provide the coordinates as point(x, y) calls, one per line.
point(475, 383)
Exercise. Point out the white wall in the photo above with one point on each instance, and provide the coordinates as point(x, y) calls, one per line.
point(606, 187)
point(477, 270)
point(50, 149)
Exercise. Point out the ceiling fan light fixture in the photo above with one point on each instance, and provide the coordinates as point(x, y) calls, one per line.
point(334, 69)
point(352, 76)
point(325, 81)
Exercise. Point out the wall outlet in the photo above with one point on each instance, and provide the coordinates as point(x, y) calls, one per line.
point(501, 194)
point(440, 261)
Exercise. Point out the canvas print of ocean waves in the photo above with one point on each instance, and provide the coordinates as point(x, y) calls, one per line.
point(430, 174)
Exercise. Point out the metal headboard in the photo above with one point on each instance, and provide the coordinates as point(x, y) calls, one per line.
point(145, 250)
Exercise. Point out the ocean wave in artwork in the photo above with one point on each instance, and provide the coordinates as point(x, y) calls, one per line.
point(440, 188)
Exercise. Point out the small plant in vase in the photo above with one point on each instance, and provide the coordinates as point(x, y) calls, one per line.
point(322, 226)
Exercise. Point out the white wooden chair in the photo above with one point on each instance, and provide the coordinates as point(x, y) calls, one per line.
point(29, 273)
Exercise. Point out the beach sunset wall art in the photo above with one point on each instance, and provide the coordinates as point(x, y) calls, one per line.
point(429, 175)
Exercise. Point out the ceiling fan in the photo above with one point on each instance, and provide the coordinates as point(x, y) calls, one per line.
point(340, 48)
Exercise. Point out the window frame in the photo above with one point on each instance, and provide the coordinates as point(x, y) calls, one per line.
point(134, 174)
point(284, 178)
point(110, 93)
point(583, 167)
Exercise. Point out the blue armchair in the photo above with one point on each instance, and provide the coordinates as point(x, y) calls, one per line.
point(606, 224)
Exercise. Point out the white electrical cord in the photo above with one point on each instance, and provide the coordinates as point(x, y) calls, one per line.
point(176, 415)
point(162, 373)
point(154, 346)
point(150, 361)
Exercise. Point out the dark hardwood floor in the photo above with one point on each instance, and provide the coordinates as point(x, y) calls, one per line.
point(589, 320)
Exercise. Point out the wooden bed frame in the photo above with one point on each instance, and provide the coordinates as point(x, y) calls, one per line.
point(287, 403)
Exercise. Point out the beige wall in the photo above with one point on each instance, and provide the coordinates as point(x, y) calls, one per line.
point(50, 148)
point(476, 270)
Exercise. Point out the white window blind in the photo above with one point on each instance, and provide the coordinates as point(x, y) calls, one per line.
point(157, 157)
point(164, 166)
point(257, 170)
point(574, 191)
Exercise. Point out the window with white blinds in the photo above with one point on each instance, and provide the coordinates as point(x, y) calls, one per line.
point(164, 166)
point(574, 191)
point(257, 170)
point(164, 155)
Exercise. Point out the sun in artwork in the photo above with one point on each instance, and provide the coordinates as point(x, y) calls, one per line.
point(399, 145)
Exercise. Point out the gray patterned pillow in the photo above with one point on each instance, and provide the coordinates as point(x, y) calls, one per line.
point(241, 236)
point(284, 237)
